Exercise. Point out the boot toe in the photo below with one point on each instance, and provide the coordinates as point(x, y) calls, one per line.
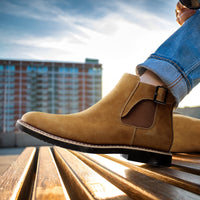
point(35, 119)
point(29, 117)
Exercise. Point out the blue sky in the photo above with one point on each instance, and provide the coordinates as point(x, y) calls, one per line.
point(37, 20)
point(120, 33)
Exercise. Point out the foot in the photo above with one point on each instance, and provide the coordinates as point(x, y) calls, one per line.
point(135, 119)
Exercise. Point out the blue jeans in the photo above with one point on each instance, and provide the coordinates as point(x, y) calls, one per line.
point(177, 60)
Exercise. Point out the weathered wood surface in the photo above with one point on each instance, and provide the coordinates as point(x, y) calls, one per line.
point(57, 173)
point(16, 182)
point(48, 182)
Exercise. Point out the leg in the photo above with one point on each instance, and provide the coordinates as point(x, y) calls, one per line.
point(150, 78)
point(178, 65)
point(177, 61)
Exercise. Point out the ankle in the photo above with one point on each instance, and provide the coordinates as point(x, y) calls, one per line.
point(151, 78)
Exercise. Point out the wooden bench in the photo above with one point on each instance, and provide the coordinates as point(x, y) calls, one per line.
point(55, 173)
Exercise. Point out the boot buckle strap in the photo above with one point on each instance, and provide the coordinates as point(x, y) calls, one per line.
point(160, 95)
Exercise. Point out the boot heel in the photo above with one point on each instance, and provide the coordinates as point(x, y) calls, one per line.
point(158, 159)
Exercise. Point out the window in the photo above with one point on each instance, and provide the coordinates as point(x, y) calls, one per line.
point(10, 68)
point(1, 68)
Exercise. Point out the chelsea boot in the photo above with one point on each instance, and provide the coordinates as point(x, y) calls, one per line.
point(186, 134)
point(134, 119)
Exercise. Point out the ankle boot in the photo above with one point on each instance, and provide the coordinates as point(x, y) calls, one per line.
point(134, 119)
point(186, 134)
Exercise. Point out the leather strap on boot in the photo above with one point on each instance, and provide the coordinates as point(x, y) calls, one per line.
point(159, 94)
point(149, 108)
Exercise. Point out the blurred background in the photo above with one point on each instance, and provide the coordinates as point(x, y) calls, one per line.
point(62, 56)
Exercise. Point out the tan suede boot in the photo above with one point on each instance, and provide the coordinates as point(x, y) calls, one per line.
point(135, 119)
point(186, 134)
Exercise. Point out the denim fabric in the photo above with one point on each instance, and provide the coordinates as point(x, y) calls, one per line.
point(177, 60)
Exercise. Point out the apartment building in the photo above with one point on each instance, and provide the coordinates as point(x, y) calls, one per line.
point(54, 87)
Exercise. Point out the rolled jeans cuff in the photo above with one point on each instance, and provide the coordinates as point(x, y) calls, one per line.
point(169, 74)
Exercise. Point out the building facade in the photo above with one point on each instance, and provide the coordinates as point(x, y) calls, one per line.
point(53, 87)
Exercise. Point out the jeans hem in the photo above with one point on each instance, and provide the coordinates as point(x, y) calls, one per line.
point(169, 74)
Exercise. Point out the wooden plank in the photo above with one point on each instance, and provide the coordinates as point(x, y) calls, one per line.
point(90, 176)
point(82, 181)
point(187, 158)
point(135, 184)
point(5, 162)
point(187, 163)
point(16, 182)
point(196, 156)
point(175, 177)
point(48, 182)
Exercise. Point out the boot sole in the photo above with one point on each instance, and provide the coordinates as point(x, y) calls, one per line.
point(151, 157)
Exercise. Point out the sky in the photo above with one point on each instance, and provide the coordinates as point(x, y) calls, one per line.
point(120, 33)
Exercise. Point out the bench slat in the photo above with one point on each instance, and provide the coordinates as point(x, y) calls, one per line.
point(135, 184)
point(184, 162)
point(48, 183)
point(192, 158)
point(84, 182)
point(178, 178)
point(15, 183)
